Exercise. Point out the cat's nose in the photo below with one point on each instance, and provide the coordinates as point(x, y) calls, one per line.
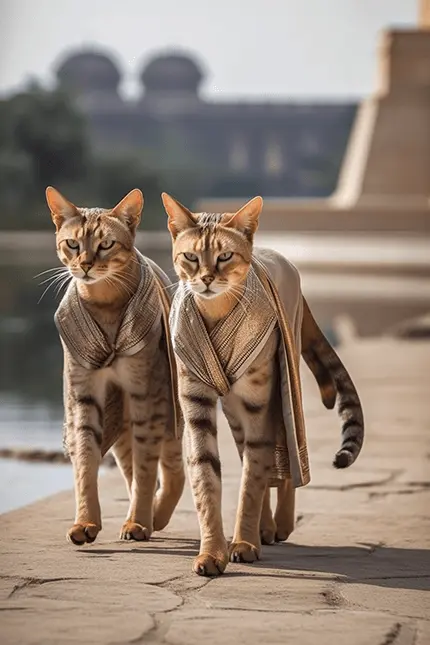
point(86, 266)
point(207, 279)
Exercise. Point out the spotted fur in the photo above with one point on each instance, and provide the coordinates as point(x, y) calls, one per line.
point(128, 403)
point(212, 255)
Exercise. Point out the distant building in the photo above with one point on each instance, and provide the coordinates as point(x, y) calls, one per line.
point(232, 149)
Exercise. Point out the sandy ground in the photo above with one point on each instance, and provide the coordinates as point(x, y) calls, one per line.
point(355, 571)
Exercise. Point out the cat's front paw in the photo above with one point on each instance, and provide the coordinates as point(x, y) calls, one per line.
point(243, 552)
point(208, 565)
point(134, 531)
point(82, 533)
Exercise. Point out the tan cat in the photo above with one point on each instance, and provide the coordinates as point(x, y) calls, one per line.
point(230, 332)
point(119, 384)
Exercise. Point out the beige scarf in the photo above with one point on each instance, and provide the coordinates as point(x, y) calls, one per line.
point(146, 310)
point(272, 297)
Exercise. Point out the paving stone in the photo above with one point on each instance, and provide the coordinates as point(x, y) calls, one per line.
point(281, 628)
point(355, 570)
point(401, 596)
point(267, 590)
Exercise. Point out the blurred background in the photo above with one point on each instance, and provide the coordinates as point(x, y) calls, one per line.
point(324, 111)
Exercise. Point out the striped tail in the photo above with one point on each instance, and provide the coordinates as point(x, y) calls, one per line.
point(334, 383)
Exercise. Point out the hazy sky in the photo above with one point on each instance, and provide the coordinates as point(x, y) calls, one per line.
point(264, 48)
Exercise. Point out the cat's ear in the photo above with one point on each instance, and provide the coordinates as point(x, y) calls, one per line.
point(60, 207)
point(130, 208)
point(246, 219)
point(180, 218)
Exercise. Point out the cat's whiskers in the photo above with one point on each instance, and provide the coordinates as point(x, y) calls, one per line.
point(49, 271)
point(234, 294)
point(60, 272)
point(113, 284)
point(55, 280)
point(239, 290)
point(134, 259)
point(127, 279)
point(171, 286)
point(124, 283)
point(65, 281)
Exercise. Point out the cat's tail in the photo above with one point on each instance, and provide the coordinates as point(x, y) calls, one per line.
point(334, 383)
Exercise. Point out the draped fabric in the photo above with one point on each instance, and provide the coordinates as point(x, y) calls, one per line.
point(272, 298)
point(146, 310)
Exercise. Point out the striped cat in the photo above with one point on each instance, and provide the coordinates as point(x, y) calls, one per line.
point(212, 255)
point(117, 380)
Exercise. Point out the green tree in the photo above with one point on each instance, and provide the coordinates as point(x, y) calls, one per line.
point(45, 141)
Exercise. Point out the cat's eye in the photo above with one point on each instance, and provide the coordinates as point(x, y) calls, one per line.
point(106, 244)
point(223, 257)
point(72, 244)
point(192, 257)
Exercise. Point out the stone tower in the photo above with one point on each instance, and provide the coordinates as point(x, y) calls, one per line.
point(388, 159)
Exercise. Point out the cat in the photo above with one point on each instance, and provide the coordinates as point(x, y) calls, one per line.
point(212, 255)
point(117, 379)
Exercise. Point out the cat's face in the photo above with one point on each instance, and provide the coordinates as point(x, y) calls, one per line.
point(212, 252)
point(94, 243)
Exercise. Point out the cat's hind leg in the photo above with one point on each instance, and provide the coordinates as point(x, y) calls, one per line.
point(123, 453)
point(172, 481)
point(285, 510)
point(267, 523)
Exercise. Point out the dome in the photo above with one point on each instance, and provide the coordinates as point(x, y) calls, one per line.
point(88, 71)
point(172, 72)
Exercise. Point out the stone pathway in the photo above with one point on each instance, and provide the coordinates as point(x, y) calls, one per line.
point(357, 569)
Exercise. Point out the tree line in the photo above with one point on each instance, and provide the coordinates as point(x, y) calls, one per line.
point(44, 140)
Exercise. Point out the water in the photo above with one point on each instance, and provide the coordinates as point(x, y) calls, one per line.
point(32, 425)
point(31, 364)
point(22, 483)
